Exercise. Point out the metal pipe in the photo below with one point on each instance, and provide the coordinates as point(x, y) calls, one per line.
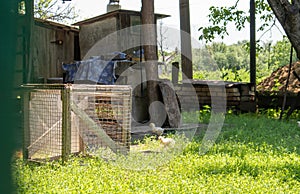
point(252, 44)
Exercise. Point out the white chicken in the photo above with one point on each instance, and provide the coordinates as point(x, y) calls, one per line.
point(157, 130)
point(167, 142)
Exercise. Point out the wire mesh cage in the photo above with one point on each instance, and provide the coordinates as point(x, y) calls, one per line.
point(102, 115)
point(63, 119)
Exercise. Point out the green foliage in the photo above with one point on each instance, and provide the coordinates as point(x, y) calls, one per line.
point(218, 61)
point(280, 54)
point(221, 62)
point(220, 17)
point(273, 56)
point(207, 75)
point(240, 75)
point(275, 114)
point(54, 10)
point(252, 154)
point(270, 56)
point(202, 116)
point(225, 15)
point(221, 56)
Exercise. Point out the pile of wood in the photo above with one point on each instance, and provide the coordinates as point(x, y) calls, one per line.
point(277, 80)
point(229, 94)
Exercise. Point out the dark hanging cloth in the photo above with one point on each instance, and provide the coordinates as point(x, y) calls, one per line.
point(93, 70)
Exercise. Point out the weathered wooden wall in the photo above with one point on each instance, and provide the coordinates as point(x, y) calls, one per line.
point(115, 31)
point(130, 39)
point(47, 53)
point(91, 33)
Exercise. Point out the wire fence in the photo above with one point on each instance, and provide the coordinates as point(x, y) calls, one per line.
point(60, 120)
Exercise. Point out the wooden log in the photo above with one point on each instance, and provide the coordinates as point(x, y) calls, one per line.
point(221, 94)
point(171, 104)
point(252, 93)
point(245, 98)
point(203, 94)
point(233, 90)
point(248, 106)
point(245, 90)
point(233, 98)
point(233, 94)
point(202, 89)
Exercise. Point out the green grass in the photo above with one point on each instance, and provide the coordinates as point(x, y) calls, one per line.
point(253, 154)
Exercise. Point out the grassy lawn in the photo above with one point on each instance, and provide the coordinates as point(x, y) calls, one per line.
point(253, 154)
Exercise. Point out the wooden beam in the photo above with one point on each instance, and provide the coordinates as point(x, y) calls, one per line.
point(26, 124)
point(185, 36)
point(175, 70)
point(150, 52)
point(66, 123)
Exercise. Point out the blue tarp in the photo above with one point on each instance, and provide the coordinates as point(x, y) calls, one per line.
point(71, 70)
point(94, 69)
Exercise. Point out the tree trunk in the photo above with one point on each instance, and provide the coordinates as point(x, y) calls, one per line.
point(288, 14)
point(150, 49)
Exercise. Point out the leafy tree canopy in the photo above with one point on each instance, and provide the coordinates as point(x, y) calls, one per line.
point(54, 10)
point(287, 13)
point(221, 17)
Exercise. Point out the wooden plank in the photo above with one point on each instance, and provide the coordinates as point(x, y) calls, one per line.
point(233, 94)
point(232, 90)
point(175, 70)
point(230, 98)
point(171, 104)
point(26, 124)
point(124, 132)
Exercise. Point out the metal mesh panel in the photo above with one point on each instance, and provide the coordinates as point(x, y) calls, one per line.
point(109, 108)
point(99, 116)
point(45, 123)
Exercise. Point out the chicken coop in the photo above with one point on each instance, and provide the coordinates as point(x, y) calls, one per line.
point(65, 119)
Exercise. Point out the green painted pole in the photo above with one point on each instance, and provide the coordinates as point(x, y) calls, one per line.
point(8, 17)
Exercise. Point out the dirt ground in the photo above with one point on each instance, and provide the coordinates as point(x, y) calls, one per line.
point(277, 80)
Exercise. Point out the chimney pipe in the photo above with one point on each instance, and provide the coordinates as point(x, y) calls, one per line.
point(113, 5)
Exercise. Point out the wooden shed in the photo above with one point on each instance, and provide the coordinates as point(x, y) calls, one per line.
point(51, 44)
point(112, 27)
